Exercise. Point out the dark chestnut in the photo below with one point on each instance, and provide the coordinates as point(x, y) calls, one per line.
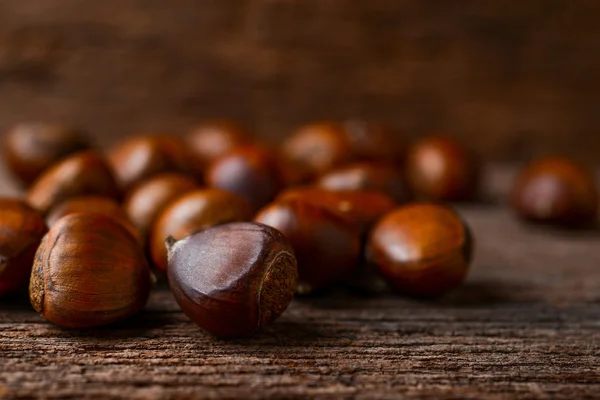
point(144, 203)
point(84, 173)
point(441, 169)
point(88, 271)
point(250, 172)
point(212, 140)
point(318, 147)
point(32, 148)
point(362, 208)
point(376, 177)
point(192, 212)
point(141, 157)
point(556, 190)
point(327, 245)
point(233, 279)
point(422, 249)
point(377, 142)
point(21, 231)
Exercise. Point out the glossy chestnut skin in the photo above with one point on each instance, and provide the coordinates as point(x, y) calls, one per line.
point(556, 190)
point(250, 172)
point(88, 271)
point(193, 212)
point(233, 279)
point(327, 246)
point(144, 203)
point(84, 173)
point(376, 142)
point(362, 208)
point(92, 204)
point(318, 147)
point(141, 157)
point(31, 148)
point(212, 140)
point(375, 177)
point(422, 249)
point(21, 231)
point(441, 169)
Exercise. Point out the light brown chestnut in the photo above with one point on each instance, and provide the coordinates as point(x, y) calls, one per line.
point(84, 173)
point(376, 142)
point(212, 140)
point(88, 271)
point(233, 279)
point(141, 157)
point(441, 169)
point(250, 172)
point(556, 190)
point(31, 148)
point(369, 176)
point(21, 230)
point(193, 212)
point(422, 249)
point(326, 245)
point(144, 203)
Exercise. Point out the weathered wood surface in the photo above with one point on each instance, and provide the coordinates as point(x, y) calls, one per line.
point(515, 78)
point(526, 325)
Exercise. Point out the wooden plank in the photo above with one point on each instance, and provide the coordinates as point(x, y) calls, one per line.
point(525, 325)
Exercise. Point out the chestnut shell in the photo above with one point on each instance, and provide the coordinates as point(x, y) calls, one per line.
point(234, 278)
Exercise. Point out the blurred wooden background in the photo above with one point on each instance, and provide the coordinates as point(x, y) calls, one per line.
point(513, 78)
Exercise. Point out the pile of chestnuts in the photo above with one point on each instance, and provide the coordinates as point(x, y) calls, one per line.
point(238, 228)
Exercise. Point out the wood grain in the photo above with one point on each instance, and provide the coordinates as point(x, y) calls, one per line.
point(514, 79)
point(526, 325)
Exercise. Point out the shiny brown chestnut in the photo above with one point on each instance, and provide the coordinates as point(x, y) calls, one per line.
point(21, 231)
point(92, 204)
point(318, 147)
point(377, 142)
point(556, 190)
point(84, 173)
point(368, 176)
point(363, 208)
point(233, 279)
point(250, 172)
point(441, 169)
point(327, 246)
point(88, 271)
point(422, 249)
point(144, 203)
point(212, 140)
point(141, 157)
point(193, 212)
point(31, 148)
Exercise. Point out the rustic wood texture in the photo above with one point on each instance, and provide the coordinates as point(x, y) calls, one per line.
point(514, 79)
point(525, 325)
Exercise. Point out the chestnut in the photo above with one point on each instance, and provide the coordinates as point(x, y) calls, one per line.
point(212, 140)
point(250, 172)
point(441, 169)
point(141, 157)
point(234, 278)
point(318, 147)
point(144, 203)
point(556, 190)
point(422, 249)
point(192, 212)
point(31, 148)
point(377, 177)
point(361, 207)
point(377, 142)
point(21, 231)
point(96, 204)
point(88, 271)
point(84, 173)
point(326, 245)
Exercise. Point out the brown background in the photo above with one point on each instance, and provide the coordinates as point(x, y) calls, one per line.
point(513, 78)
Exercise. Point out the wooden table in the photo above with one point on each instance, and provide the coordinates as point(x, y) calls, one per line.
point(525, 325)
